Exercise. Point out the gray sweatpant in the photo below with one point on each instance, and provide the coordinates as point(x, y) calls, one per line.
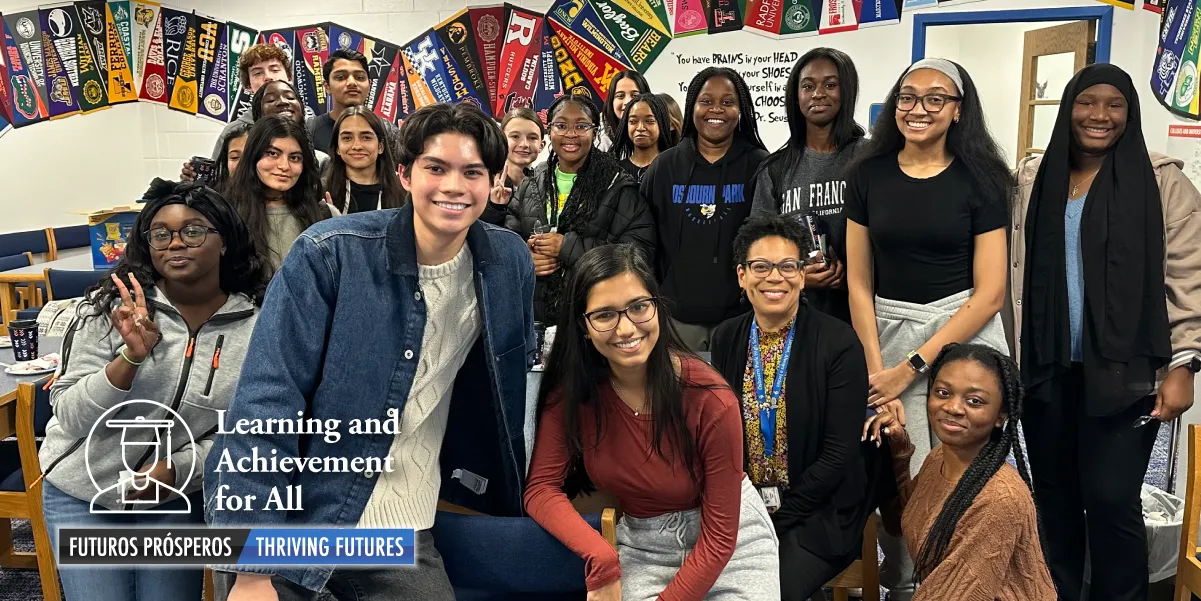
point(653, 549)
point(903, 327)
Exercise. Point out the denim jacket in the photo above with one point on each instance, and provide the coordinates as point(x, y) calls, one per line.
point(339, 337)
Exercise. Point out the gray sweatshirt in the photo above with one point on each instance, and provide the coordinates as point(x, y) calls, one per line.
point(180, 373)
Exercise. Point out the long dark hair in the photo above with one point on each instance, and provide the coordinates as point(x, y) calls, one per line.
point(748, 125)
point(241, 272)
point(222, 174)
point(1002, 442)
point(968, 140)
point(248, 194)
point(845, 130)
point(612, 119)
point(623, 147)
point(392, 194)
point(576, 371)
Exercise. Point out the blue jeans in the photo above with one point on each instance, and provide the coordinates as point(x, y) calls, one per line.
point(103, 583)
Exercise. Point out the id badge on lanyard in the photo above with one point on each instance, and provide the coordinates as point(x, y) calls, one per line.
point(768, 406)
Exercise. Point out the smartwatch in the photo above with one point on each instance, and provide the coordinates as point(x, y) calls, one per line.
point(917, 363)
point(1194, 365)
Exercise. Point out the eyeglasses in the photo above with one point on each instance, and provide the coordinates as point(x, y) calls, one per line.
point(582, 128)
point(192, 236)
point(762, 268)
point(933, 103)
point(640, 311)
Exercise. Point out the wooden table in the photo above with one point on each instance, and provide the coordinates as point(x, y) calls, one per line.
point(9, 383)
point(34, 274)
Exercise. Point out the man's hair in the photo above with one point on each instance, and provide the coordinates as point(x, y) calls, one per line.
point(344, 54)
point(464, 118)
point(260, 53)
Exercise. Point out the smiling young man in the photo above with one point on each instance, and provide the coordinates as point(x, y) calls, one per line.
point(805, 178)
point(422, 311)
point(347, 84)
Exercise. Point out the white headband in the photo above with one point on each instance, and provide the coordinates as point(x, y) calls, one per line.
point(943, 66)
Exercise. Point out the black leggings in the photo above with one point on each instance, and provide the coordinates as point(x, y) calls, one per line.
point(1088, 475)
point(802, 574)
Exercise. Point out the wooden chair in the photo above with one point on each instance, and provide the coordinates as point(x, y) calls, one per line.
point(864, 573)
point(27, 296)
point(1188, 566)
point(31, 414)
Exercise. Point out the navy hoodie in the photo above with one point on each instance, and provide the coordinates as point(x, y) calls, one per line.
point(698, 207)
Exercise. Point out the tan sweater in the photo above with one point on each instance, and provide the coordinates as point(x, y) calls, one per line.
point(994, 554)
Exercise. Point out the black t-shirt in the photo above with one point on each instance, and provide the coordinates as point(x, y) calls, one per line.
point(364, 197)
point(922, 230)
point(321, 130)
point(635, 171)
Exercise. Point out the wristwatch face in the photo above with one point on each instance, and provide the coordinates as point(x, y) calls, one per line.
point(1195, 365)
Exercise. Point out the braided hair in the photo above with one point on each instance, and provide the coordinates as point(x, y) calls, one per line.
point(748, 123)
point(990, 459)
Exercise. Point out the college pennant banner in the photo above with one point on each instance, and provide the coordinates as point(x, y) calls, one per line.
point(425, 58)
point(210, 38)
point(175, 25)
point(120, 21)
point(241, 38)
point(519, 62)
point(6, 102)
point(583, 21)
point(184, 90)
point(880, 12)
point(26, 80)
point(571, 76)
point(62, 60)
point(91, 14)
point(550, 84)
point(284, 39)
point(92, 79)
point(652, 12)
point(639, 40)
point(312, 50)
point(598, 67)
point(463, 57)
point(214, 98)
point(486, 29)
point(146, 28)
point(838, 16)
point(120, 74)
point(422, 95)
point(1155, 6)
point(724, 15)
point(690, 18)
point(1174, 75)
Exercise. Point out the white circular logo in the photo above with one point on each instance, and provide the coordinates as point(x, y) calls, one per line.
point(344, 40)
point(25, 28)
point(489, 28)
point(154, 86)
point(214, 103)
point(1187, 88)
point(60, 23)
point(798, 17)
point(151, 441)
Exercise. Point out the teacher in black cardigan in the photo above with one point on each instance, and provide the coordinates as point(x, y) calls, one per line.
point(802, 430)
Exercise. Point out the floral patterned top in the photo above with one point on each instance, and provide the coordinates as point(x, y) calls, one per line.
point(764, 470)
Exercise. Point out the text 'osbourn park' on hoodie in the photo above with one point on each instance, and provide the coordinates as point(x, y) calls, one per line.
point(698, 207)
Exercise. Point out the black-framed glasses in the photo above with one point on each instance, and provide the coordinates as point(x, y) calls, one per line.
point(933, 103)
point(192, 236)
point(580, 128)
point(762, 268)
point(639, 311)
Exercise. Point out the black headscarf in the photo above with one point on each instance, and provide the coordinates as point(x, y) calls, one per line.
point(1126, 335)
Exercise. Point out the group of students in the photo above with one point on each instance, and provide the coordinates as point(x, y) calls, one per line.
point(835, 371)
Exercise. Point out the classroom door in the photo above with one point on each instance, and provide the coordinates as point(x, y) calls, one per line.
point(1051, 56)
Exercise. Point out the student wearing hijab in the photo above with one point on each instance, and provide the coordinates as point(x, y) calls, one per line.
point(1104, 279)
point(926, 207)
point(806, 178)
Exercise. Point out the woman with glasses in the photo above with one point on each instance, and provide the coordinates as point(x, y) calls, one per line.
point(628, 408)
point(1104, 283)
point(275, 188)
point(171, 324)
point(801, 377)
point(926, 211)
point(579, 199)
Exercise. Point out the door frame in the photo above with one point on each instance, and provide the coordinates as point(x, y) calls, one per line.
point(1102, 14)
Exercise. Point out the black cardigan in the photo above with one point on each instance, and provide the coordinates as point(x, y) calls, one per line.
point(830, 496)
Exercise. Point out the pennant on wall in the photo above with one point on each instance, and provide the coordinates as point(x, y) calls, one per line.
point(146, 19)
point(519, 62)
point(92, 80)
point(308, 59)
point(120, 74)
point(598, 67)
point(550, 85)
point(582, 19)
point(455, 34)
point(26, 67)
point(1155, 6)
point(573, 80)
point(640, 41)
point(62, 60)
point(383, 64)
point(184, 92)
point(486, 28)
point(395, 99)
point(651, 12)
point(6, 101)
point(208, 44)
point(690, 18)
point(214, 96)
point(801, 18)
point(1174, 74)
point(426, 59)
point(92, 19)
point(120, 19)
point(422, 96)
point(175, 32)
point(284, 39)
point(880, 12)
point(724, 15)
point(241, 38)
point(838, 16)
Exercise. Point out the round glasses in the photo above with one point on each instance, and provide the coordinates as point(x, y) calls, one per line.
point(192, 236)
point(640, 311)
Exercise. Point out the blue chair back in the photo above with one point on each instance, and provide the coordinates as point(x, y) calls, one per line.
point(16, 261)
point(11, 474)
point(494, 558)
point(33, 241)
point(72, 236)
point(63, 283)
point(41, 409)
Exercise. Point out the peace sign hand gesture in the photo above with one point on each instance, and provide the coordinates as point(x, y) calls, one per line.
point(500, 193)
point(132, 321)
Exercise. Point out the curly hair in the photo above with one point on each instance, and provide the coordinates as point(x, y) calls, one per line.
point(242, 270)
point(260, 53)
point(1002, 442)
point(758, 228)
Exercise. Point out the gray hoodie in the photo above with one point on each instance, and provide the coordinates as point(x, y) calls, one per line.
point(180, 373)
